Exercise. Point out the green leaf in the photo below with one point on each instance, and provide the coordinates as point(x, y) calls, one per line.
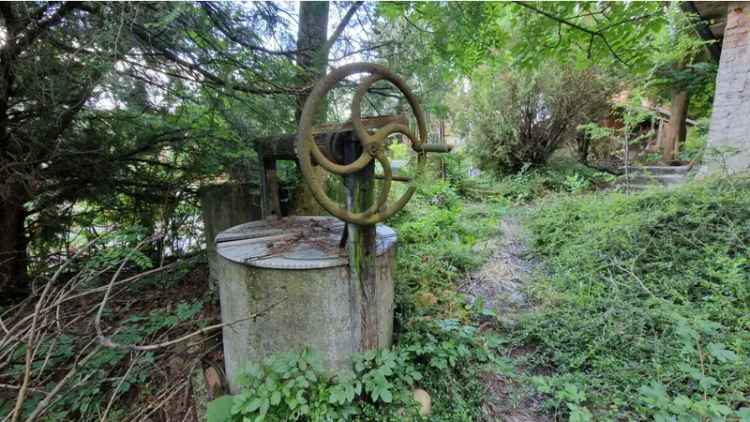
point(579, 413)
point(663, 417)
point(721, 353)
point(275, 398)
point(707, 382)
point(386, 396)
point(655, 394)
point(220, 409)
point(264, 406)
point(541, 384)
point(570, 393)
point(390, 10)
point(254, 405)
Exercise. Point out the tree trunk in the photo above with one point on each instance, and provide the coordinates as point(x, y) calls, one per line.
point(13, 258)
point(677, 128)
point(312, 60)
point(311, 40)
point(583, 145)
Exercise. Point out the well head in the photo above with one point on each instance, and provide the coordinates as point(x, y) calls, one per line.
point(293, 243)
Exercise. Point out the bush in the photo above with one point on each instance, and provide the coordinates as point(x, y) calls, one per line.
point(645, 312)
point(559, 176)
point(521, 117)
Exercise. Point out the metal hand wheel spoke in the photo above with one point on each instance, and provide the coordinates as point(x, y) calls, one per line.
point(386, 188)
point(373, 145)
point(383, 132)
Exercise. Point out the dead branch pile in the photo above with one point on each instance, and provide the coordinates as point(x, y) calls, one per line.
point(72, 344)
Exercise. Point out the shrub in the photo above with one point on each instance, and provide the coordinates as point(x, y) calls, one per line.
point(559, 176)
point(520, 118)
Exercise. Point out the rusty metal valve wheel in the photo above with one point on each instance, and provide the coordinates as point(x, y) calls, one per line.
point(373, 145)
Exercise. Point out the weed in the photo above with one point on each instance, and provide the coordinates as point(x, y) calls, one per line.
point(645, 312)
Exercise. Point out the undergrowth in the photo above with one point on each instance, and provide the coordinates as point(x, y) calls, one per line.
point(646, 308)
point(561, 175)
point(438, 238)
point(70, 376)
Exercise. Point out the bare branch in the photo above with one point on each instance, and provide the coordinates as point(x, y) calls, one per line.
point(30, 349)
point(107, 342)
point(41, 407)
point(340, 28)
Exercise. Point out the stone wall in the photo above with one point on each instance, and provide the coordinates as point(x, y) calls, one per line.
point(729, 134)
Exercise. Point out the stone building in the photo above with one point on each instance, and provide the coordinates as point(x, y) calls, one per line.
point(728, 146)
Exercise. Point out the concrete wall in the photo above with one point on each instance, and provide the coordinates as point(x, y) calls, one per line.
point(729, 132)
point(300, 308)
point(224, 206)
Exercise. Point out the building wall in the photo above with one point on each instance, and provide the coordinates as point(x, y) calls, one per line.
point(729, 133)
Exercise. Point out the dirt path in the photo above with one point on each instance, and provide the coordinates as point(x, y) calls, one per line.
point(500, 284)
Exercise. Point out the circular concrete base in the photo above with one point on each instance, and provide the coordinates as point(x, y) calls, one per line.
point(293, 273)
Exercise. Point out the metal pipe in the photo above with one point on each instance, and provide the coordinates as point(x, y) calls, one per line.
point(433, 148)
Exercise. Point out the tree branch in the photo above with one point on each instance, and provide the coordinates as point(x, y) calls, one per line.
point(108, 342)
point(206, 75)
point(340, 28)
point(406, 18)
point(221, 25)
point(41, 26)
point(593, 33)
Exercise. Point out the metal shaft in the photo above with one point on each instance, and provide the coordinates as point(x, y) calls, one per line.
point(361, 248)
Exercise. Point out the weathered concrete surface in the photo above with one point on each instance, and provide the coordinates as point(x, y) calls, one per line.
point(298, 307)
point(639, 178)
point(224, 206)
point(729, 133)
